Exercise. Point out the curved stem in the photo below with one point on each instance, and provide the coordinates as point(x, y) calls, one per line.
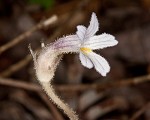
point(45, 66)
point(55, 99)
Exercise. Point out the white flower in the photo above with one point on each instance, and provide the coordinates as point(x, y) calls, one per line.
point(89, 41)
point(84, 42)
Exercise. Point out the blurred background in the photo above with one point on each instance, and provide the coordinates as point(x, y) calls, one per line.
point(124, 94)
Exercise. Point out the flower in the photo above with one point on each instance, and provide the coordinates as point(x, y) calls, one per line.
point(84, 42)
point(89, 42)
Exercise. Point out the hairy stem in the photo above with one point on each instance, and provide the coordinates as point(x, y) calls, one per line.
point(55, 99)
point(45, 65)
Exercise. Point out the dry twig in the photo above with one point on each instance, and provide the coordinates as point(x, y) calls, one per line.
point(22, 37)
point(19, 84)
point(140, 112)
point(77, 87)
point(16, 67)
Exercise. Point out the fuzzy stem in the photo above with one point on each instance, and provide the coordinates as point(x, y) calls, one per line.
point(45, 66)
point(55, 99)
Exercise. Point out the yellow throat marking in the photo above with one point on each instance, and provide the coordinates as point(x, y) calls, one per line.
point(85, 50)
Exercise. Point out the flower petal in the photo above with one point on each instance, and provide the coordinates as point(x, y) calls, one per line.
point(85, 61)
point(93, 27)
point(101, 41)
point(81, 30)
point(100, 64)
point(67, 44)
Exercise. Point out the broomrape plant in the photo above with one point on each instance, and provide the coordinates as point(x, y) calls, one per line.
point(83, 42)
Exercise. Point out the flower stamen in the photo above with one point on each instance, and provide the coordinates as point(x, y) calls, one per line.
point(85, 50)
